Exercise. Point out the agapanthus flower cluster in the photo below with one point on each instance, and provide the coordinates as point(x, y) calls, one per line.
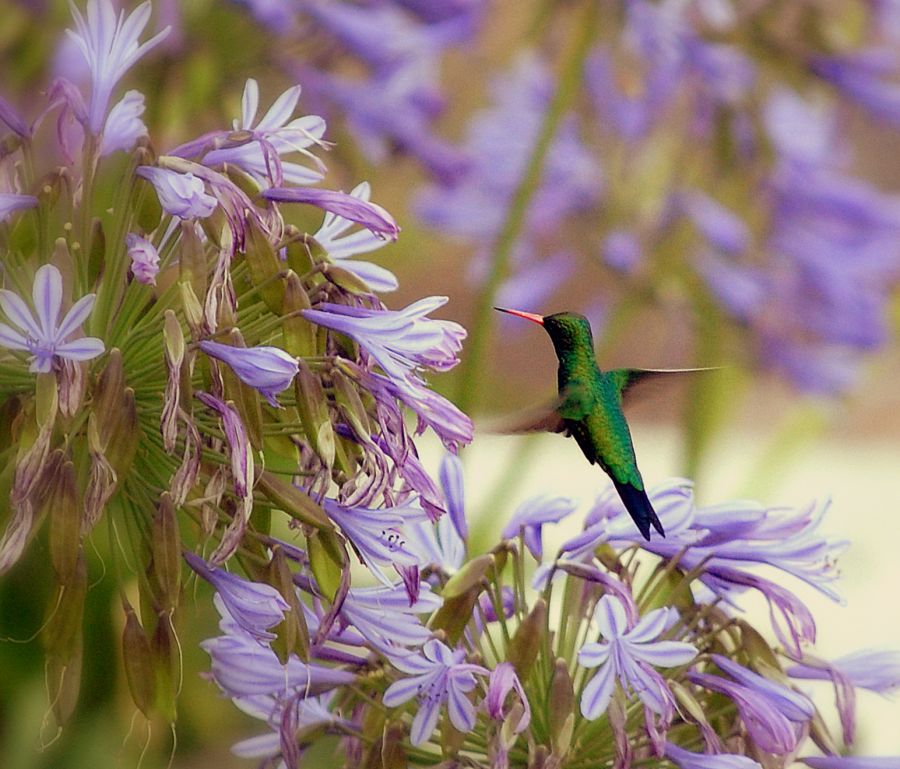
point(183, 366)
point(609, 652)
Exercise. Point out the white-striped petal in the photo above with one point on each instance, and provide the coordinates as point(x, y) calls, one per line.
point(664, 654)
point(11, 338)
point(598, 692)
point(81, 349)
point(460, 708)
point(610, 617)
point(424, 723)
point(17, 311)
point(47, 295)
point(78, 313)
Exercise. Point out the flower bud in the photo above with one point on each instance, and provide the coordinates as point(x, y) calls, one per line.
point(561, 707)
point(293, 501)
point(137, 659)
point(265, 268)
point(174, 355)
point(65, 524)
point(165, 539)
point(193, 310)
point(192, 259)
point(147, 210)
point(312, 405)
point(144, 259)
point(244, 397)
point(293, 632)
point(526, 643)
point(62, 631)
point(164, 648)
point(351, 406)
point(327, 559)
point(299, 333)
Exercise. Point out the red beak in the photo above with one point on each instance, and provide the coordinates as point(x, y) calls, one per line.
point(533, 317)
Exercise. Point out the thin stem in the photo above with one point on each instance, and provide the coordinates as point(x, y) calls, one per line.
point(566, 88)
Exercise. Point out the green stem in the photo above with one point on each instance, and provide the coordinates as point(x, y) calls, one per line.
point(566, 88)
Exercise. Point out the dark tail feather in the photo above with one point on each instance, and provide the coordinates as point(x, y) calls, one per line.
point(637, 503)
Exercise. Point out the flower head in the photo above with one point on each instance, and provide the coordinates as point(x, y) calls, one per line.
point(45, 336)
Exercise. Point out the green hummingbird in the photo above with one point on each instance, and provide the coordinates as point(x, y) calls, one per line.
point(589, 409)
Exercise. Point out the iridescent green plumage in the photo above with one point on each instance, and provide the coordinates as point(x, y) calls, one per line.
point(589, 409)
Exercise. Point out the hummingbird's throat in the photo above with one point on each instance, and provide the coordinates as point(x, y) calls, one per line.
point(533, 317)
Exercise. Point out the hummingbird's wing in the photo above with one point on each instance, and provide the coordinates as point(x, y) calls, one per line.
point(573, 404)
point(630, 381)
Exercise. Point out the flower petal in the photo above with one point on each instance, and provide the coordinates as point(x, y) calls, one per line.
point(47, 295)
point(81, 349)
point(664, 654)
point(78, 313)
point(424, 723)
point(610, 617)
point(11, 338)
point(597, 693)
point(17, 311)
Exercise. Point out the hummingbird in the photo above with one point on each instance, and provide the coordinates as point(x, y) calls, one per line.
point(589, 409)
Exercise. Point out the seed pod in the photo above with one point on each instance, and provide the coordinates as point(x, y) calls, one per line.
point(108, 394)
point(351, 405)
point(164, 648)
point(65, 524)
point(295, 502)
point(561, 706)
point(327, 559)
point(468, 577)
point(146, 206)
point(62, 631)
point(312, 406)
point(193, 262)
point(166, 546)
point(265, 268)
point(526, 643)
point(304, 252)
point(192, 308)
point(63, 681)
point(137, 659)
point(346, 279)
point(293, 632)
point(299, 333)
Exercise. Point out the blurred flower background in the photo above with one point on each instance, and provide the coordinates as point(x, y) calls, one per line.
point(710, 182)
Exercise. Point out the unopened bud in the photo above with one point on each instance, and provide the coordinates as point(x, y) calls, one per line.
point(526, 643)
point(312, 405)
point(299, 333)
point(137, 659)
point(164, 648)
point(351, 405)
point(188, 472)
point(65, 524)
point(62, 631)
point(561, 706)
point(192, 259)
point(174, 355)
point(293, 501)
point(327, 559)
point(265, 267)
point(166, 548)
point(293, 632)
point(193, 310)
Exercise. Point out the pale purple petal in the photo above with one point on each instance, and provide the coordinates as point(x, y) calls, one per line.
point(592, 655)
point(610, 618)
point(688, 760)
point(86, 348)
point(598, 692)
point(47, 295)
point(425, 721)
point(11, 338)
point(78, 313)
point(460, 708)
point(664, 654)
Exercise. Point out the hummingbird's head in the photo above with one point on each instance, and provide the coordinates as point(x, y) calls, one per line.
point(567, 330)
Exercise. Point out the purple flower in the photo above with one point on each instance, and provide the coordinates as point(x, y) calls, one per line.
point(181, 195)
point(503, 680)
point(144, 259)
point(109, 45)
point(378, 536)
point(11, 202)
point(255, 607)
point(441, 545)
point(622, 251)
point(384, 616)
point(688, 760)
point(268, 369)
point(400, 341)
point(725, 541)
point(340, 246)
point(722, 228)
point(628, 654)
point(795, 706)
point(767, 712)
point(12, 119)
point(499, 141)
point(351, 208)
point(124, 125)
point(452, 482)
point(872, 669)
point(437, 676)
point(868, 77)
point(243, 667)
point(530, 517)
point(273, 136)
point(44, 338)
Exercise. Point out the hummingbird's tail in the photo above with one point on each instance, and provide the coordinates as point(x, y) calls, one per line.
point(637, 503)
